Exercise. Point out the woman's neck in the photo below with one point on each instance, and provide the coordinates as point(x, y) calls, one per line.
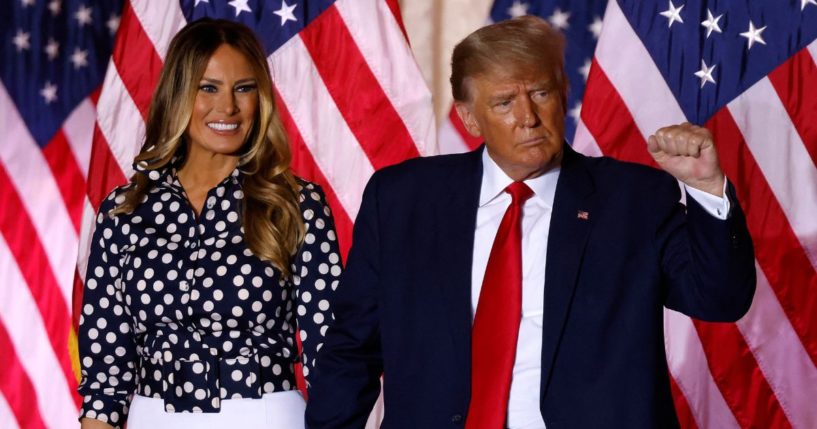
point(206, 170)
point(202, 172)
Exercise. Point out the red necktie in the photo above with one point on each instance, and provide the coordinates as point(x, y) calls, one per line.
point(496, 324)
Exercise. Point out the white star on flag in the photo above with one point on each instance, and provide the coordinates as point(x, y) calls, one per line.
point(113, 23)
point(52, 49)
point(286, 12)
point(576, 111)
point(803, 3)
point(79, 58)
point(83, 15)
point(55, 6)
point(585, 69)
point(518, 9)
point(49, 92)
point(240, 6)
point(711, 23)
point(22, 40)
point(200, 1)
point(673, 14)
point(595, 27)
point(754, 35)
point(559, 19)
point(705, 73)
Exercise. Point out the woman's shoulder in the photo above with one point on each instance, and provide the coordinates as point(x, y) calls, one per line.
point(314, 206)
point(309, 191)
point(114, 199)
point(106, 221)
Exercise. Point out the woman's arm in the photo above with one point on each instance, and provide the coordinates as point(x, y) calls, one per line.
point(316, 270)
point(107, 349)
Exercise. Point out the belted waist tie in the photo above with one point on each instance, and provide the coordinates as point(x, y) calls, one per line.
point(194, 374)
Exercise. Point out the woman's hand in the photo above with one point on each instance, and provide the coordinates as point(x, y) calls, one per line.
point(88, 423)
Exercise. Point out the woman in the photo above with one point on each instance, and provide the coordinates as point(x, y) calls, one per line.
point(202, 266)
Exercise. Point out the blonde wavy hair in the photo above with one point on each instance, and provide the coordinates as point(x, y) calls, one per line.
point(271, 215)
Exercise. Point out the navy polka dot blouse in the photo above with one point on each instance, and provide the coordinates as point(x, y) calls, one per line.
point(179, 308)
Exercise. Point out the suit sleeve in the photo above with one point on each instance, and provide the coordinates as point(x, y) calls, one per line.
point(707, 263)
point(346, 382)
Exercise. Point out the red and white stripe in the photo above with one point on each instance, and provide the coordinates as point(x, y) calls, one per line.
point(760, 371)
point(30, 342)
point(41, 196)
point(325, 134)
point(79, 131)
point(7, 419)
point(49, 196)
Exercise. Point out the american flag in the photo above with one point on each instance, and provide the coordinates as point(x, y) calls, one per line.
point(747, 71)
point(54, 56)
point(74, 99)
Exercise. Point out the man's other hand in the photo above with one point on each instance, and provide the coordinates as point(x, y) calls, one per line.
point(688, 152)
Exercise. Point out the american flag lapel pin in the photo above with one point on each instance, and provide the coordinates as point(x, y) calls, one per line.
point(583, 215)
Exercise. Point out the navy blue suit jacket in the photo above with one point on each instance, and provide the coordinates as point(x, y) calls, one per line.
point(403, 306)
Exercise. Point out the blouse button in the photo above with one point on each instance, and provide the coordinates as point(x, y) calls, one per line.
point(211, 203)
point(184, 286)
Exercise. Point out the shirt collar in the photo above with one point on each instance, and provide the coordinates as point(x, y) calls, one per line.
point(494, 182)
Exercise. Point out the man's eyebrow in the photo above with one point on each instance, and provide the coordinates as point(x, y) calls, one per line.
point(504, 95)
point(545, 84)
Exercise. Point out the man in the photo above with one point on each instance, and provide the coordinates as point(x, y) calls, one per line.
point(522, 285)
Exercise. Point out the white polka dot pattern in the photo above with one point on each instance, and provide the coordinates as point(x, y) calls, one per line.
point(179, 308)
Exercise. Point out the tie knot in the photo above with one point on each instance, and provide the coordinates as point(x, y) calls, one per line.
point(520, 192)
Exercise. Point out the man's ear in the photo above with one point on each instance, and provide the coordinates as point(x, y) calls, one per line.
point(467, 118)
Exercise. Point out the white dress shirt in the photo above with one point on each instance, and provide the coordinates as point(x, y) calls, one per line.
point(523, 406)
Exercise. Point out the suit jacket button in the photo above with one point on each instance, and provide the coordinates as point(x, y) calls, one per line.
point(456, 418)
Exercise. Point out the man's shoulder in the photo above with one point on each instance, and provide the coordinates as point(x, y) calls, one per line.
point(617, 173)
point(426, 170)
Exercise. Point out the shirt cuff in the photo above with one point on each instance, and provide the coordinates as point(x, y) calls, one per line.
point(714, 205)
point(112, 410)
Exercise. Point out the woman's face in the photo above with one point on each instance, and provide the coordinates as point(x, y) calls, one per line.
point(226, 104)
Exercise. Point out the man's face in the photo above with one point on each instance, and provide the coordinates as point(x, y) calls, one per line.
point(521, 117)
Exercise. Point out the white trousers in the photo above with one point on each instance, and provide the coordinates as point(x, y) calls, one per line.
point(279, 410)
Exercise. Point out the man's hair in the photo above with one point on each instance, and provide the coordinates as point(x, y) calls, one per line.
point(511, 46)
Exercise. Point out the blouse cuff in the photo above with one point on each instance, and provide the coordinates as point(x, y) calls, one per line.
point(112, 410)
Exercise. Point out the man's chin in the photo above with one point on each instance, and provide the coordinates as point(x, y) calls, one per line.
point(544, 160)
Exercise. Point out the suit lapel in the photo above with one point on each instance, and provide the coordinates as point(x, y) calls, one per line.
point(456, 215)
point(570, 224)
